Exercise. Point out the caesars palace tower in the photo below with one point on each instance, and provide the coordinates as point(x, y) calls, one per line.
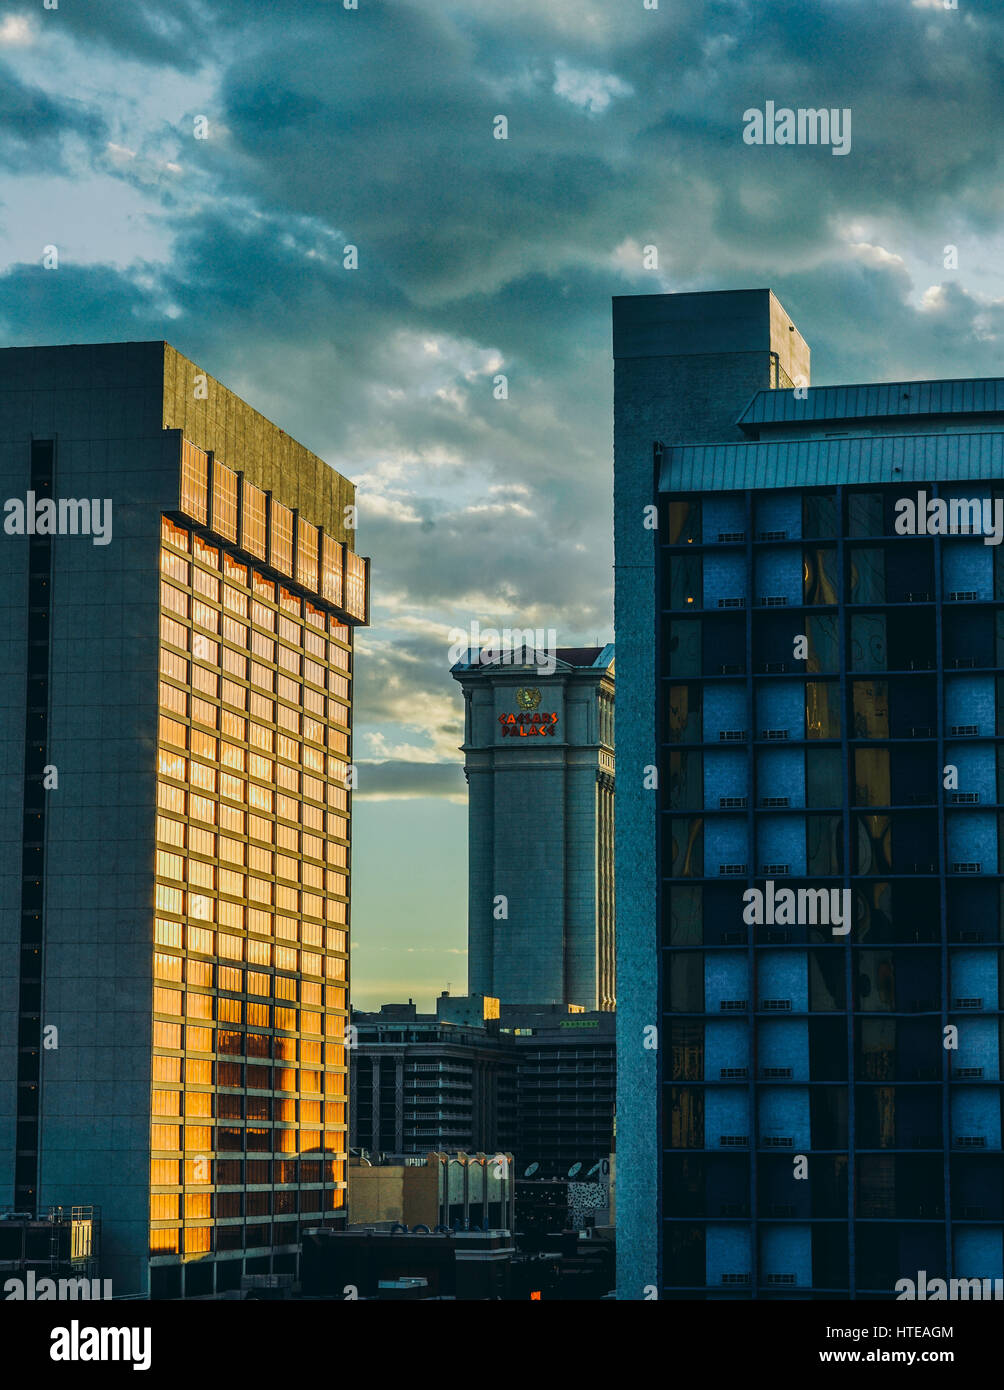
point(539, 762)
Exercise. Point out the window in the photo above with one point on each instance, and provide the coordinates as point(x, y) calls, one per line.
point(253, 520)
point(686, 840)
point(306, 554)
point(204, 649)
point(281, 540)
point(871, 777)
point(206, 681)
point(871, 709)
point(684, 523)
point(685, 916)
point(824, 643)
point(686, 782)
point(824, 844)
point(868, 642)
point(864, 514)
point(171, 832)
point(823, 779)
point(685, 648)
point(874, 844)
point(174, 599)
point(224, 502)
point(355, 585)
point(206, 584)
point(331, 570)
point(822, 709)
point(819, 515)
point(867, 575)
point(171, 798)
point(208, 554)
point(194, 482)
point(685, 581)
point(235, 632)
point(819, 575)
point(173, 632)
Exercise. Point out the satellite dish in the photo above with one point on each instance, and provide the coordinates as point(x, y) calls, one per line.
point(574, 1169)
point(531, 1170)
point(594, 1169)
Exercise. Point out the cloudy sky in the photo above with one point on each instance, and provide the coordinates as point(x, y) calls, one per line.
point(374, 127)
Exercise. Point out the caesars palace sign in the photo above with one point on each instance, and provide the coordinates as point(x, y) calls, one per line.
point(530, 722)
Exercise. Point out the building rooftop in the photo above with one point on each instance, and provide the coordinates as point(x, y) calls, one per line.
point(565, 658)
point(875, 400)
point(850, 460)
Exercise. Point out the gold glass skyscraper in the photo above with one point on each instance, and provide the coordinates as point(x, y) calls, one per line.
point(249, 732)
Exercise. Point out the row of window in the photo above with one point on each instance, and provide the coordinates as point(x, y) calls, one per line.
point(236, 979)
point(263, 678)
point(907, 981)
point(265, 648)
point(695, 1256)
point(206, 1104)
point(212, 845)
point(201, 874)
point(234, 947)
point(905, 842)
point(241, 700)
point(251, 1172)
point(271, 741)
point(256, 1076)
point(811, 577)
point(245, 760)
point(265, 528)
point(204, 1240)
point(191, 1004)
point(203, 907)
point(268, 827)
point(232, 787)
point(224, 1206)
point(783, 515)
point(817, 1117)
point(814, 778)
point(883, 911)
point(232, 1043)
point(904, 707)
point(257, 598)
point(252, 1138)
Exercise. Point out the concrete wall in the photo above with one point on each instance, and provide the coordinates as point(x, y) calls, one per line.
point(102, 408)
point(684, 367)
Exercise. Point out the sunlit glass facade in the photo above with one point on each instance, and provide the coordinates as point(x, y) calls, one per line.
point(250, 961)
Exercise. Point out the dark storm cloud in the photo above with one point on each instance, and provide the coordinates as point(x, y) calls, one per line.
point(174, 33)
point(375, 127)
point(408, 168)
point(75, 304)
point(954, 335)
point(34, 127)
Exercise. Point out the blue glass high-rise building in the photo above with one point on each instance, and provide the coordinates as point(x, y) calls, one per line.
point(810, 620)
